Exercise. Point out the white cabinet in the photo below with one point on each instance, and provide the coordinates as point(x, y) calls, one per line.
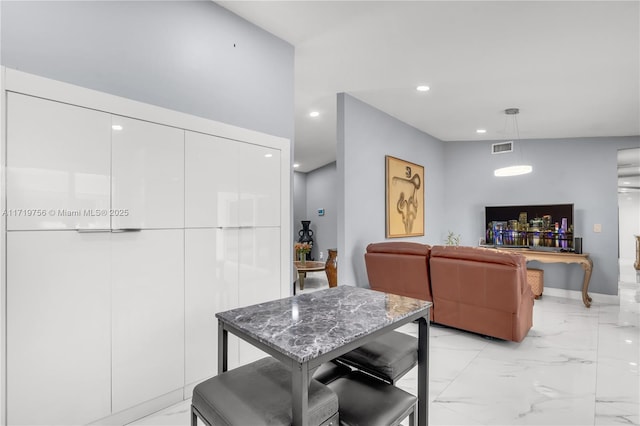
point(111, 315)
point(232, 197)
point(230, 183)
point(59, 330)
point(148, 315)
point(259, 186)
point(224, 269)
point(211, 285)
point(147, 175)
point(58, 165)
point(211, 181)
point(96, 322)
point(259, 260)
point(77, 165)
point(258, 276)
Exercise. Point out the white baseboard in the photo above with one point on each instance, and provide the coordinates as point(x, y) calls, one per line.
point(577, 295)
point(142, 410)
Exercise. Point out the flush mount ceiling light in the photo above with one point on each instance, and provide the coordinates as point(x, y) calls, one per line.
point(116, 127)
point(422, 88)
point(481, 131)
point(314, 114)
point(296, 165)
point(519, 169)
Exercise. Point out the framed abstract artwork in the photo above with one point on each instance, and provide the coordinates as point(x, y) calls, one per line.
point(404, 198)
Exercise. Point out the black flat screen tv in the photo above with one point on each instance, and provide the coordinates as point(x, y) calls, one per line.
point(542, 226)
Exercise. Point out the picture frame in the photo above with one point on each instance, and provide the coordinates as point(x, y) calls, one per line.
point(404, 198)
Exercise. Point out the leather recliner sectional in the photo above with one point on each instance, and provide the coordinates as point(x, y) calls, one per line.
point(472, 288)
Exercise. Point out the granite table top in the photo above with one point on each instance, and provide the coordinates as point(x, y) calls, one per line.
point(306, 326)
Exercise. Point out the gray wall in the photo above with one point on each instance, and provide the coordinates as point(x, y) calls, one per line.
point(578, 171)
point(365, 136)
point(460, 183)
point(311, 191)
point(190, 56)
point(322, 188)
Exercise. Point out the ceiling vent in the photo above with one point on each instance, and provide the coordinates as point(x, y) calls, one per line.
point(502, 147)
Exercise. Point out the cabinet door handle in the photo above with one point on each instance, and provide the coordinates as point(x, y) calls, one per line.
point(121, 230)
point(92, 230)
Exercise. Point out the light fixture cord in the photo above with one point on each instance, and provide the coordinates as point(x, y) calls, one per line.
point(521, 145)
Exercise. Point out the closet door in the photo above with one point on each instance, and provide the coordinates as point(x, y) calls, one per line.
point(211, 181)
point(58, 165)
point(148, 315)
point(58, 327)
point(147, 175)
point(211, 286)
point(259, 260)
point(259, 186)
point(259, 275)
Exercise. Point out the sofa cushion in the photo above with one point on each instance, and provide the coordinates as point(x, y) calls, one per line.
point(494, 286)
point(399, 247)
point(400, 268)
point(479, 254)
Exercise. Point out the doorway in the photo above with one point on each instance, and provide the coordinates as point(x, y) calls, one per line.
point(628, 212)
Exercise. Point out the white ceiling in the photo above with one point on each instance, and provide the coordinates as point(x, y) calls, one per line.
point(571, 67)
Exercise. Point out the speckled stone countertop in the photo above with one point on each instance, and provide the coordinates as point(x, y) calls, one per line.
point(308, 325)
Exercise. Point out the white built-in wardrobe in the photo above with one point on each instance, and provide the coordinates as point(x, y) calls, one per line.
point(127, 228)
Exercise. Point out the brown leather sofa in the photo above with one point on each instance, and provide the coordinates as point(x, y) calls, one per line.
point(472, 288)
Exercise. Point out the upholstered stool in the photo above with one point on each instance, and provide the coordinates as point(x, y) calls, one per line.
point(389, 357)
point(258, 393)
point(329, 371)
point(367, 401)
point(535, 278)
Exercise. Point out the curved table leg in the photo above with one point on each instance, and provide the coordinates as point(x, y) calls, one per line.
point(588, 267)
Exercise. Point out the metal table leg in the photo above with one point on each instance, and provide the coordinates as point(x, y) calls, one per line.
point(300, 393)
point(423, 371)
point(223, 344)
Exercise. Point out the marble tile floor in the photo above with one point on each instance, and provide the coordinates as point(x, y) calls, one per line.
point(577, 366)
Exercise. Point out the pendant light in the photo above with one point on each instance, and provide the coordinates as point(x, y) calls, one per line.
point(518, 169)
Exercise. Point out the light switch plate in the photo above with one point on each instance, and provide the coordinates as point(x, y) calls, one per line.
point(597, 227)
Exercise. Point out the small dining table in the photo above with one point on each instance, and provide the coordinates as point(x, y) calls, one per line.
point(309, 329)
point(307, 266)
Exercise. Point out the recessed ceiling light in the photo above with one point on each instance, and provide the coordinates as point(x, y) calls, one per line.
point(296, 165)
point(268, 155)
point(481, 131)
point(314, 114)
point(116, 127)
point(422, 88)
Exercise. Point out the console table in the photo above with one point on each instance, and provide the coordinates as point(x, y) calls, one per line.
point(582, 259)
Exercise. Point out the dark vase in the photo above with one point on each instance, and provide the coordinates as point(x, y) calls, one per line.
point(331, 267)
point(305, 235)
